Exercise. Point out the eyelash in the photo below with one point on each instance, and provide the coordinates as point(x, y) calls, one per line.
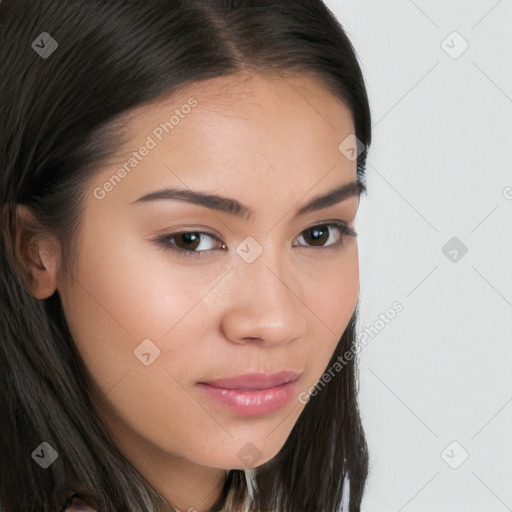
point(164, 240)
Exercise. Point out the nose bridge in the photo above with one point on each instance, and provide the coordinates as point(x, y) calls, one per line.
point(263, 266)
point(265, 305)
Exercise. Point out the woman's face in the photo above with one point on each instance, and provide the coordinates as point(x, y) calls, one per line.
point(152, 319)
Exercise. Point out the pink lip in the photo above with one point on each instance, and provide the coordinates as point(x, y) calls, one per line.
point(255, 380)
point(253, 394)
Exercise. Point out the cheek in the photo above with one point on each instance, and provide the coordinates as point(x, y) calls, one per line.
point(332, 290)
point(128, 286)
point(332, 297)
point(118, 303)
point(118, 300)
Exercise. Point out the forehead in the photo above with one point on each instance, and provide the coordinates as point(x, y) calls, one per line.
point(242, 131)
point(244, 94)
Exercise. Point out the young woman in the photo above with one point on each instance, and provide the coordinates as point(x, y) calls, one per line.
point(179, 266)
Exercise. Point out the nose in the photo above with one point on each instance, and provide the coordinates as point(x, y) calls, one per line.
point(264, 307)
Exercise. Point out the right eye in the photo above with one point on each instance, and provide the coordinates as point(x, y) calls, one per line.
point(185, 243)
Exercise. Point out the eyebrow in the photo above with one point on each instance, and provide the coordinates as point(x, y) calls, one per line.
point(237, 209)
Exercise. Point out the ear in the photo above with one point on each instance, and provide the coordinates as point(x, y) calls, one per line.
point(36, 253)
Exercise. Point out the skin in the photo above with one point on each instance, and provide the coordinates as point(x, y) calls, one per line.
point(217, 315)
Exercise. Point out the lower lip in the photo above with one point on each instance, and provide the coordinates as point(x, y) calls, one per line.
point(254, 402)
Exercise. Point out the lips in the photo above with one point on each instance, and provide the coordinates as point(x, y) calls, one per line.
point(255, 380)
point(253, 394)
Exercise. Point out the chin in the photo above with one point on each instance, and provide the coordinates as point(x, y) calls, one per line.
point(238, 457)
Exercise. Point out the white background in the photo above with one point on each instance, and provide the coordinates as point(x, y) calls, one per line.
point(439, 166)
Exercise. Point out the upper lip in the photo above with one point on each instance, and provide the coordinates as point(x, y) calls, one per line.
point(255, 380)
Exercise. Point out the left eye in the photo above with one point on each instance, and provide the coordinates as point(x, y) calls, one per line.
point(320, 232)
point(186, 243)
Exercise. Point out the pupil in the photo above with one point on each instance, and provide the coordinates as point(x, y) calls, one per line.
point(317, 234)
point(189, 238)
